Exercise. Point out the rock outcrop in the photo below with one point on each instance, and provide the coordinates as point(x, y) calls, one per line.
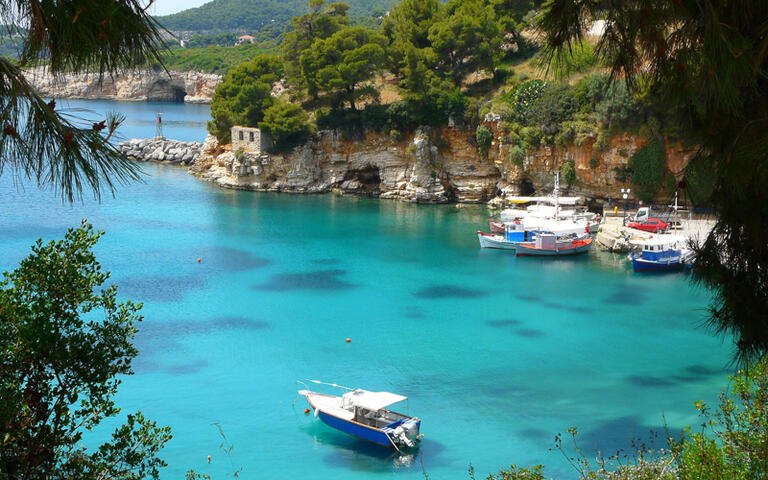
point(431, 166)
point(414, 170)
point(190, 87)
point(160, 149)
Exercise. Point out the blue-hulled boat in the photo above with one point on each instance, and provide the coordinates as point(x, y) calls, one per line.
point(660, 253)
point(363, 413)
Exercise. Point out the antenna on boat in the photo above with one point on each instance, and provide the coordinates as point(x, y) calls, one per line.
point(675, 207)
point(557, 188)
point(329, 384)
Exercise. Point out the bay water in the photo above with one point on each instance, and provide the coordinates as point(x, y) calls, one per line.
point(497, 354)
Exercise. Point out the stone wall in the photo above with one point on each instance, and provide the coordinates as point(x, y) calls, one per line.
point(251, 140)
point(189, 87)
point(160, 149)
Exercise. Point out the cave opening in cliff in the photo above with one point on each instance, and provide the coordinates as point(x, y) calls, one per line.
point(526, 188)
point(363, 181)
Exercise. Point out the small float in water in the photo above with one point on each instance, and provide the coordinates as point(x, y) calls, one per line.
point(363, 413)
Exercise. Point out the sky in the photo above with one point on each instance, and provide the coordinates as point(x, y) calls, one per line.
point(165, 7)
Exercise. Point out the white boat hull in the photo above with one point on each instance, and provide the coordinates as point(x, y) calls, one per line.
point(495, 241)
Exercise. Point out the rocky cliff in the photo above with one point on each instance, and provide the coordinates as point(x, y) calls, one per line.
point(190, 87)
point(431, 166)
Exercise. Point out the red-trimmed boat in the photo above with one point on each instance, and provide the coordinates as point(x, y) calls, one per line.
point(548, 244)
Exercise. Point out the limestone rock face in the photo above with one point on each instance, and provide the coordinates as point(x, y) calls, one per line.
point(190, 87)
point(432, 166)
point(413, 169)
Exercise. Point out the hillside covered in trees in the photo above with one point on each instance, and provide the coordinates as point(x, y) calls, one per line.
point(438, 64)
point(251, 15)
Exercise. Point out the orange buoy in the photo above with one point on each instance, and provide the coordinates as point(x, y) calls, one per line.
point(209, 459)
point(199, 260)
point(306, 410)
point(348, 340)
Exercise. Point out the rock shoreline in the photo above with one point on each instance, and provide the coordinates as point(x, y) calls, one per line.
point(440, 165)
point(160, 149)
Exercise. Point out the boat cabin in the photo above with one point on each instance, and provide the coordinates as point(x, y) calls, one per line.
point(659, 249)
point(369, 408)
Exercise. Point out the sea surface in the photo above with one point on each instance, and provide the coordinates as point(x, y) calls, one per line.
point(498, 354)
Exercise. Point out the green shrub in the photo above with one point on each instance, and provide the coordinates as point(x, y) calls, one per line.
point(594, 162)
point(568, 171)
point(618, 109)
point(699, 181)
point(243, 95)
point(649, 170)
point(287, 123)
point(484, 140)
point(516, 155)
point(579, 58)
point(603, 141)
point(531, 137)
point(524, 96)
point(517, 473)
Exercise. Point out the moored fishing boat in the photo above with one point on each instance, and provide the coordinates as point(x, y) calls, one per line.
point(549, 244)
point(660, 253)
point(363, 413)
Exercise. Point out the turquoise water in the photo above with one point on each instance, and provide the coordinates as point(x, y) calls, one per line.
point(497, 353)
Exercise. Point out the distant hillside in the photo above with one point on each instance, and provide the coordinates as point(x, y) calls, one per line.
point(249, 15)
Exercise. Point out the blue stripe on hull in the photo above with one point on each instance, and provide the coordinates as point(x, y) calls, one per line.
point(654, 267)
point(355, 429)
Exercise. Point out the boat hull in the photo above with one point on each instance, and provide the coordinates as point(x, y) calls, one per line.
point(356, 429)
point(530, 250)
point(672, 264)
point(491, 241)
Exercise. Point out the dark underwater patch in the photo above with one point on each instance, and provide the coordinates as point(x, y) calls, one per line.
point(529, 298)
point(326, 261)
point(178, 328)
point(317, 280)
point(537, 434)
point(626, 297)
point(568, 308)
point(187, 369)
point(650, 381)
point(504, 323)
point(159, 288)
point(218, 259)
point(529, 333)
point(448, 291)
point(620, 433)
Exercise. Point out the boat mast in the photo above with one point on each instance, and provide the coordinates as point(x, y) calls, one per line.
point(557, 188)
point(675, 207)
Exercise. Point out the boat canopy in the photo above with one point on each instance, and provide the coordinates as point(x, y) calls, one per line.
point(372, 400)
point(550, 199)
point(659, 240)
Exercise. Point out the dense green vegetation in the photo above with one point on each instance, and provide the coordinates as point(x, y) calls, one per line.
point(253, 15)
point(64, 342)
point(211, 59)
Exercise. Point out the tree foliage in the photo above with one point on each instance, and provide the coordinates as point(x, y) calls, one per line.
point(287, 123)
point(706, 62)
point(244, 95)
point(340, 64)
point(649, 170)
point(38, 141)
point(318, 24)
point(64, 342)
